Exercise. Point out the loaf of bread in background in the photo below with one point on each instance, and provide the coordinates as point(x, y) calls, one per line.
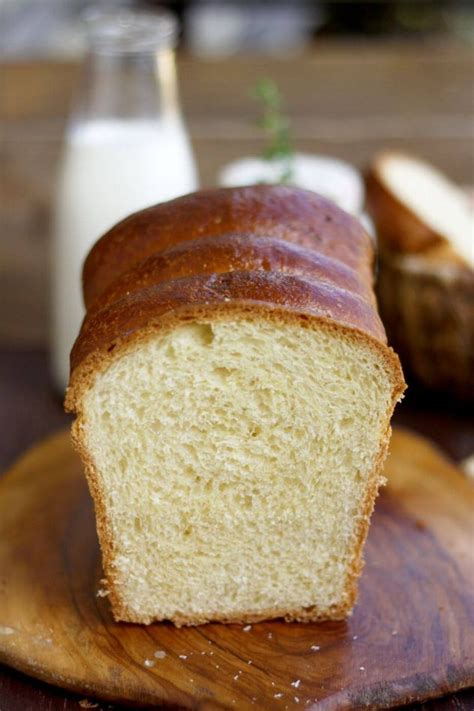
point(425, 227)
point(233, 392)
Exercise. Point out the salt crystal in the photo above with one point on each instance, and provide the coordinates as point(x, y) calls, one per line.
point(160, 654)
point(362, 668)
point(296, 699)
point(354, 637)
point(395, 632)
point(315, 647)
point(43, 641)
point(236, 677)
point(296, 683)
point(102, 592)
point(149, 663)
point(247, 628)
point(277, 696)
point(249, 661)
point(182, 656)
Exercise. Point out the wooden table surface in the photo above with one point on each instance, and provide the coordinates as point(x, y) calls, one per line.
point(348, 100)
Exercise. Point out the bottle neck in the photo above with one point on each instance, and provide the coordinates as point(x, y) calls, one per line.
point(127, 86)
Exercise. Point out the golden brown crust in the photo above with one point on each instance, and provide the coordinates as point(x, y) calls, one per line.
point(229, 253)
point(300, 260)
point(295, 215)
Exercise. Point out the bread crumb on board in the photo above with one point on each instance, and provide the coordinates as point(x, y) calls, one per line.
point(467, 465)
point(5, 630)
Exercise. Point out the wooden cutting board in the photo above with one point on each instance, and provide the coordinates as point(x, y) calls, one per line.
point(411, 636)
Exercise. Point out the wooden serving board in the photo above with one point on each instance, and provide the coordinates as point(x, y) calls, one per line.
point(411, 636)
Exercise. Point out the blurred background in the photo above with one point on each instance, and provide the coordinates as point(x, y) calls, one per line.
point(53, 28)
point(354, 77)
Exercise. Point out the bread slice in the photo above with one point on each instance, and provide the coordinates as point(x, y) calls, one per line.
point(233, 423)
point(416, 208)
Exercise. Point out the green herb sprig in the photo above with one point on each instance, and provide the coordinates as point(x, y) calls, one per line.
point(276, 127)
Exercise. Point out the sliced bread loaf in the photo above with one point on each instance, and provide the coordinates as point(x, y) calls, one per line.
point(233, 408)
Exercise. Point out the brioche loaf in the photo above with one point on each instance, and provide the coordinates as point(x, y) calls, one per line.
point(425, 227)
point(233, 392)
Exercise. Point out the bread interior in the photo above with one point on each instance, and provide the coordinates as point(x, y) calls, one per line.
point(439, 203)
point(233, 459)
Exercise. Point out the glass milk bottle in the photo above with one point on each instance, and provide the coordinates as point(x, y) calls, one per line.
point(125, 148)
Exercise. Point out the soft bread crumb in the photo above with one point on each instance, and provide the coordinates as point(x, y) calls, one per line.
point(233, 460)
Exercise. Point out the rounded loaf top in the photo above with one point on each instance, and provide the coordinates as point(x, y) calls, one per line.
point(288, 213)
